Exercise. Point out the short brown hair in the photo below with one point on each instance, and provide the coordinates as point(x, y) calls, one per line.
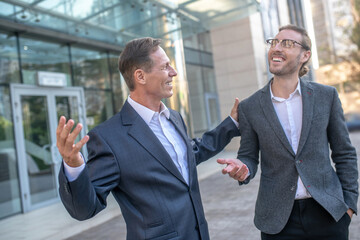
point(306, 41)
point(136, 55)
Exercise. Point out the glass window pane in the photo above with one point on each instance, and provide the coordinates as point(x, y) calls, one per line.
point(98, 107)
point(38, 146)
point(43, 56)
point(196, 90)
point(209, 80)
point(213, 112)
point(9, 64)
point(91, 69)
point(204, 41)
point(9, 182)
point(119, 87)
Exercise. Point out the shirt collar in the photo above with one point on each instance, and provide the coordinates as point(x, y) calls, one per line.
point(279, 99)
point(146, 113)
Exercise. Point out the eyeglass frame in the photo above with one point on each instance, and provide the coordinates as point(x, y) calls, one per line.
point(269, 41)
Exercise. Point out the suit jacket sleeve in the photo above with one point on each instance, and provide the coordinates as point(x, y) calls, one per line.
point(214, 141)
point(343, 153)
point(85, 196)
point(249, 145)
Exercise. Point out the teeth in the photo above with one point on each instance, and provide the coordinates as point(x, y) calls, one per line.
point(276, 59)
point(169, 83)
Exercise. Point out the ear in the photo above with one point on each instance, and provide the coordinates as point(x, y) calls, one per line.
point(139, 76)
point(306, 56)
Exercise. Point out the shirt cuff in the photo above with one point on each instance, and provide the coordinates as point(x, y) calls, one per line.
point(72, 173)
point(235, 122)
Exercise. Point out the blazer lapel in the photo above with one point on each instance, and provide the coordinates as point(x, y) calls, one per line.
point(142, 133)
point(308, 109)
point(271, 116)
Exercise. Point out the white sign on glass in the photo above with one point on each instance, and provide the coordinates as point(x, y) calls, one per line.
point(52, 79)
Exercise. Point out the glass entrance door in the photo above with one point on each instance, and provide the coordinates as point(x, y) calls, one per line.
point(36, 113)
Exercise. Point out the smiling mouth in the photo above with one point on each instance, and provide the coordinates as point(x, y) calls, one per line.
point(277, 59)
point(169, 83)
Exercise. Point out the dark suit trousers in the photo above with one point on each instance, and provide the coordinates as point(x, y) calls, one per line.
point(310, 221)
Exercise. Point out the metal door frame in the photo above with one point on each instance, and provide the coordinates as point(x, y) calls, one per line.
point(18, 90)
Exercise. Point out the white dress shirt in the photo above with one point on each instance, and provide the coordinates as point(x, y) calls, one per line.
point(289, 112)
point(165, 131)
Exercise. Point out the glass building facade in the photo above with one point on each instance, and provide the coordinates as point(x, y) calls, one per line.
point(60, 58)
point(21, 59)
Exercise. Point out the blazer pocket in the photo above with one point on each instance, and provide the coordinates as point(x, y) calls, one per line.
point(263, 204)
point(332, 185)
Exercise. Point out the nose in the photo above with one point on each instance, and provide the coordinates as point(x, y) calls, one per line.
point(172, 72)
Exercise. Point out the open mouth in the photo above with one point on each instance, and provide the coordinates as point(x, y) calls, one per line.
point(277, 59)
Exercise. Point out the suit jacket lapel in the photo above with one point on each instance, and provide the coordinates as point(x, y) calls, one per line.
point(271, 116)
point(308, 109)
point(142, 133)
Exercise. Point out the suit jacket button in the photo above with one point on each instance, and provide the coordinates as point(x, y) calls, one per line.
point(292, 188)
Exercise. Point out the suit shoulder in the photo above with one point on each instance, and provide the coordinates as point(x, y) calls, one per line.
point(320, 86)
point(107, 124)
point(322, 89)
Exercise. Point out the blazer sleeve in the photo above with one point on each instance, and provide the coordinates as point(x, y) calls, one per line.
point(249, 145)
point(343, 153)
point(86, 196)
point(214, 141)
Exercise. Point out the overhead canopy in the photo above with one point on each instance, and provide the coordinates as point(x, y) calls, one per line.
point(117, 21)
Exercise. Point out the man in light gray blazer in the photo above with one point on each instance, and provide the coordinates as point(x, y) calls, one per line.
point(142, 155)
point(292, 123)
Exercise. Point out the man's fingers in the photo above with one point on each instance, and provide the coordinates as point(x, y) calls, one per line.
point(60, 127)
point(221, 161)
point(77, 147)
point(236, 103)
point(66, 130)
point(241, 174)
point(234, 113)
point(70, 140)
point(233, 170)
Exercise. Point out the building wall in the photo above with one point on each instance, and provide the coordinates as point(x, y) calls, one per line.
point(240, 69)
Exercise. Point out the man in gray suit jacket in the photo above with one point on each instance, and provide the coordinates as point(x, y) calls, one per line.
point(292, 123)
point(142, 155)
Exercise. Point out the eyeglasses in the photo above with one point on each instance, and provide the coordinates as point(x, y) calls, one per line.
point(285, 43)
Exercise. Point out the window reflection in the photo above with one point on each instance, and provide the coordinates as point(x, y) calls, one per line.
point(98, 107)
point(91, 69)
point(37, 145)
point(202, 83)
point(9, 65)
point(43, 56)
point(9, 182)
point(119, 88)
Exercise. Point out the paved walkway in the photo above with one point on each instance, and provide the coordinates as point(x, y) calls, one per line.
point(229, 209)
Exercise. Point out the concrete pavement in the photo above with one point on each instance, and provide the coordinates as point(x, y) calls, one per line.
point(229, 209)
